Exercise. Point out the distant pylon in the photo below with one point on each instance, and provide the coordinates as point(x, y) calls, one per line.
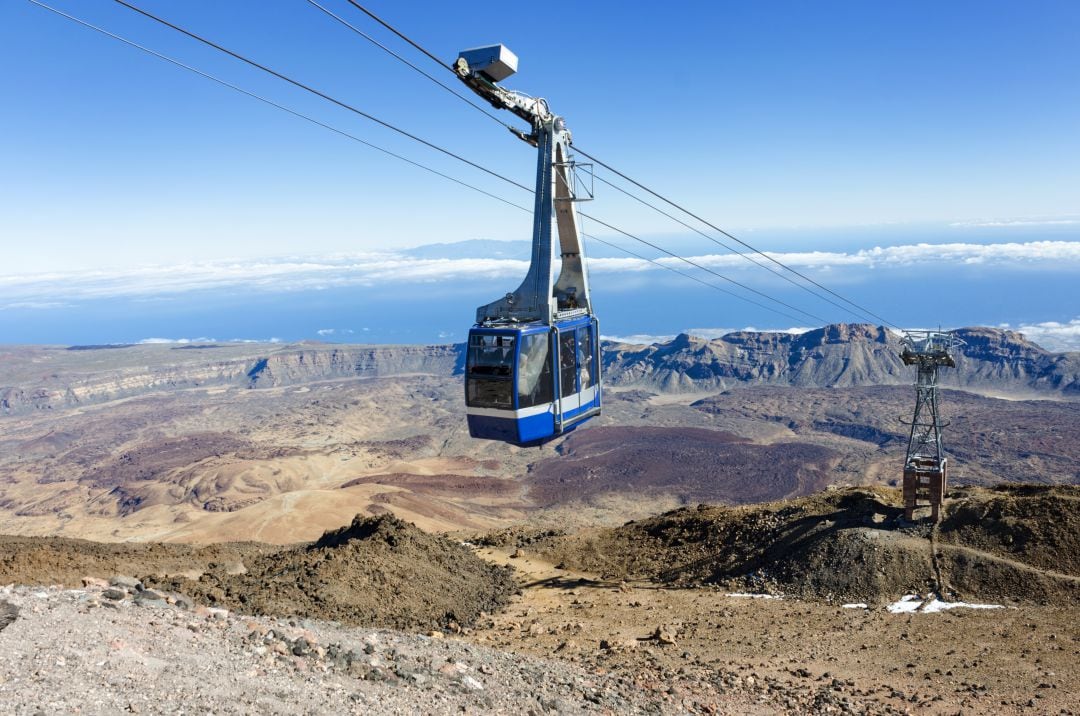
point(925, 468)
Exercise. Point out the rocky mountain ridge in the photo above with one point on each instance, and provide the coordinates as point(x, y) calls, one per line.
point(992, 360)
point(838, 355)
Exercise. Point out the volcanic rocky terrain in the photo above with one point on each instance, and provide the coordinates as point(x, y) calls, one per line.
point(727, 536)
point(789, 607)
point(282, 442)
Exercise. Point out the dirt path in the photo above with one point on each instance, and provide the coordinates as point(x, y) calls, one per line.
point(1012, 563)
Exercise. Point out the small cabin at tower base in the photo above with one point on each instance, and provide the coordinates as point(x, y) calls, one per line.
point(924, 485)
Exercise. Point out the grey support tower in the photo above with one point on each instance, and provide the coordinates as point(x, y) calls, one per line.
point(925, 468)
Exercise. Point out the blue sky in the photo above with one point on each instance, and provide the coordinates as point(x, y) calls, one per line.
point(834, 126)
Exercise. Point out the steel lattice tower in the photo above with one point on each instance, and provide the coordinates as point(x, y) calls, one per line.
point(925, 467)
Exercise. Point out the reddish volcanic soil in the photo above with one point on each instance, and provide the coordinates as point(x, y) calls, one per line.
point(692, 464)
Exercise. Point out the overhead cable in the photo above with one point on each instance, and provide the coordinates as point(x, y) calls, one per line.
point(274, 104)
point(316, 92)
point(432, 145)
point(343, 133)
point(396, 56)
point(730, 236)
point(717, 241)
point(690, 276)
point(714, 273)
point(394, 30)
point(861, 309)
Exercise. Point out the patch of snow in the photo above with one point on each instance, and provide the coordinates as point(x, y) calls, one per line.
point(754, 596)
point(935, 605)
point(856, 605)
point(907, 603)
point(910, 603)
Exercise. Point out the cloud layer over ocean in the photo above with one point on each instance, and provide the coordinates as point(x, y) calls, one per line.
point(53, 290)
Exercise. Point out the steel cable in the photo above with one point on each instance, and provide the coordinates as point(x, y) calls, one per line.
point(398, 57)
point(733, 238)
point(864, 311)
point(315, 92)
point(414, 163)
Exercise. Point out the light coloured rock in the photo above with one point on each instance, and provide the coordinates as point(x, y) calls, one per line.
point(471, 683)
point(180, 600)
point(129, 583)
point(663, 635)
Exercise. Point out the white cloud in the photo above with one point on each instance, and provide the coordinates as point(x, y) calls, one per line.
point(1011, 223)
point(33, 305)
point(38, 290)
point(54, 290)
point(335, 331)
point(155, 341)
point(188, 341)
point(1052, 335)
point(1054, 252)
point(1050, 252)
point(640, 339)
point(708, 333)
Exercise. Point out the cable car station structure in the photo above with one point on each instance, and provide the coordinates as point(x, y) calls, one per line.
point(532, 369)
point(925, 466)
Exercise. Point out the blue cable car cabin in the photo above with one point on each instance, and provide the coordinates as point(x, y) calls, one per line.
point(511, 391)
point(532, 364)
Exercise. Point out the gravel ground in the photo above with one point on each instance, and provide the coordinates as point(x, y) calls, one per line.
point(110, 649)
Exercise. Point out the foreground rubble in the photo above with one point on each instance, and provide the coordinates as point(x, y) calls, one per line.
point(105, 650)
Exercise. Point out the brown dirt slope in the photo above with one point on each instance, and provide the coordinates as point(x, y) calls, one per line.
point(65, 561)
point(377, 571)
point(852, 544)
point(1033, 524)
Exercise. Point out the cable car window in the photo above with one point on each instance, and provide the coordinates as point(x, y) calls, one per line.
point(489, 370)
point(489, 393)
point(534, 380)
point(491, 355)
point(585, 357)
point(568, 359)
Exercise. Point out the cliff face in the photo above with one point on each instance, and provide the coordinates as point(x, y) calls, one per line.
point(57, 390)
point(836, 355)
point(71, 379)
point(297, 367)
point(992, 357)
